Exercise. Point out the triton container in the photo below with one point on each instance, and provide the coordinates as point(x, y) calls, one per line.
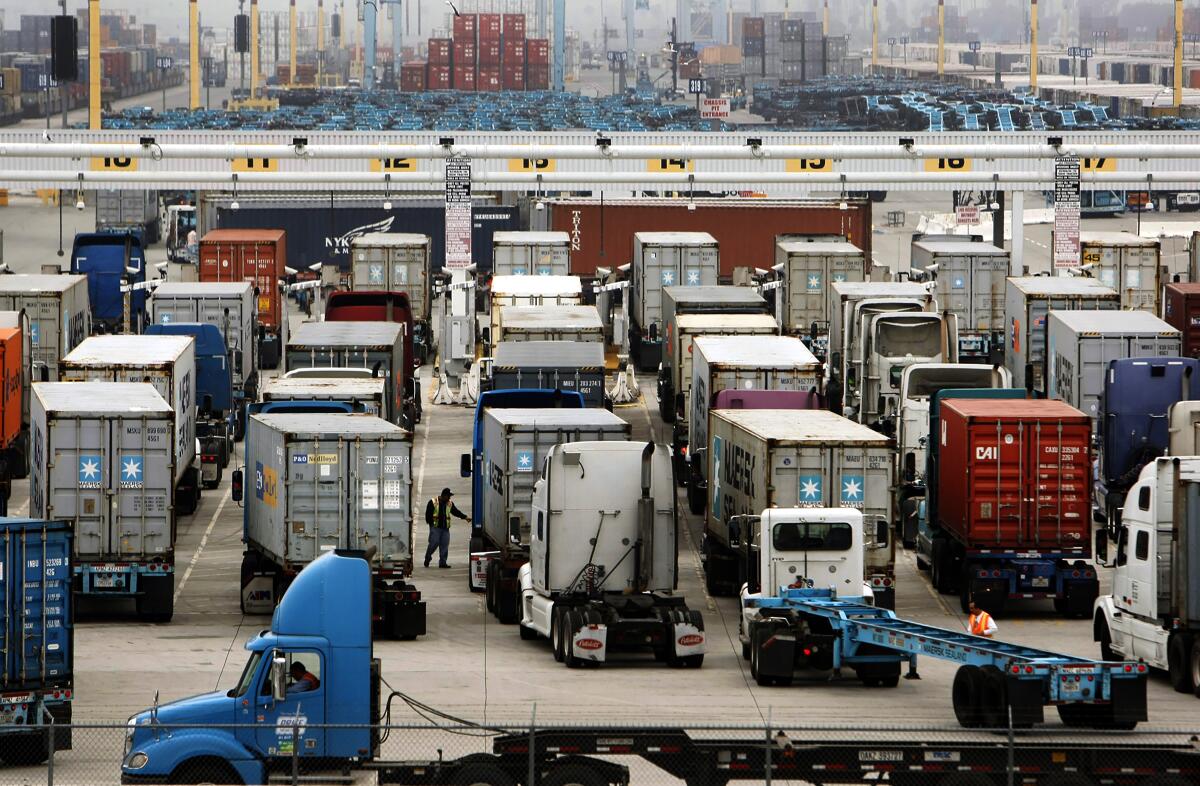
point(327, 481)
point(104, 461)
point(260, 257)
point(661, 260)
point(807, 268)
point(1027, 301)
point(551, 365)
point(531, 254)
point(969, 283)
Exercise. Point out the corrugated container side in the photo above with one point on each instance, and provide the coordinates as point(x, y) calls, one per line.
point(386, 267)
point(257, 256)
point(11, 377)
point(808, 278)
point(59, 319)
point(1132, 270)
point(36, 610)
point(233, 315)
point(1181, 310)
point(658, 264)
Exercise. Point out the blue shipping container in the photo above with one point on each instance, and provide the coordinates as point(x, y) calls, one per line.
point(35, 617)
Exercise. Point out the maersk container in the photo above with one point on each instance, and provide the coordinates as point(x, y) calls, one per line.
point(103, 459)
point(1080, 345)
point(677, 356)
point(166, 362)
point(1127, 263)
point(515, 441)
point(1015, 474)
point(128, 209)
point(36, 622)
point(59, 316)
point(807, 269)
point(785, 458)
point(229, 306)
point(1027, 301)
point(551, 365)
point(531, 254)
point(969, 282)
point(394, 262)
point(369, 392)
point(549, 323)
point(365, 345)
point(1181, 310)
point(660, 260)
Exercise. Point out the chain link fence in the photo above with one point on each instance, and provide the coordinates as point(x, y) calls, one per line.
point(576, 755)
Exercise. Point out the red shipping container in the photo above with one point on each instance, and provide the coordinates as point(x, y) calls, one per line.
point(12, 348)
point(593, 232)
point(514, 52)
point(514, 26)
point(413, 77)
point(1016, 474)
point(514, 76)
point(537, 51)
point(1181, 310)
point(439, 77)
point(465, 27)
point(753, 27)
point(489, 52)
point(255, 255)
point(537, 77)
point(464, 77)
point(487, 79)
point(489, 27)
point(439, 51)
point(464, 54)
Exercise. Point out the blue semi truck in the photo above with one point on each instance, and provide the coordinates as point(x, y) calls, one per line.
point(38, 638)
point(112, 260)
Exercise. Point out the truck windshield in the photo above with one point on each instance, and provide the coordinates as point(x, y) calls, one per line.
point(900, 339)
point(247, 677)
point(812, 536)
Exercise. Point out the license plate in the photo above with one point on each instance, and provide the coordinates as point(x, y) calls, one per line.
point(104, 582)
point(1041, 581)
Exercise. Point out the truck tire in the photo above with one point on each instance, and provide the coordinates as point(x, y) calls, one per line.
point(508, 606)
point(938, 568)
point(574, 774)
point(1179, 653)
point(965, 696)
point(993, 704)
point(696, 499)
point(25, 749)
point(1195, 664)
point(205, 770)
point(556, 638)
point(156, 603)
point(572, 622)
point(481, 773)
point(527, 634)
point(1104, 637)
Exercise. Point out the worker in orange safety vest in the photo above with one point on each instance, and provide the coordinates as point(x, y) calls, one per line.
point(980, 622)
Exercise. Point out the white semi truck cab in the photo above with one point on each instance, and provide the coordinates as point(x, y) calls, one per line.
point(1153, 613)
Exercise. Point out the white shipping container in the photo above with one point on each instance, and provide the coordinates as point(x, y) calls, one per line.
point(393, 262)
point(1127, 263)
point(687, 327)
point(969, 281)
point(530, 291)
point(849, 293)
point(549, 323)
point(371, 392)
point(59, 315)
point(667, 259)
point(531, 254)
point(808, 269)
point(228, 305)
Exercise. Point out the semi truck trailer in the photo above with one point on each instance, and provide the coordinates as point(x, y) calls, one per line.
point(661, 260)
point(968, 282)
point(806, 269)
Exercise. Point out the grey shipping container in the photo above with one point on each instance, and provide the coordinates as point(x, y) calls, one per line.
point(354, 345)
point(1080, 345)
point(59, 315)
point(103, 458)
point(711, 300)
point(531, 254)
point(550, 323)
point(370, 392)
point(677, 360)
point(166, 362)
point(326, 481)
point(551, 365)
point(808, 269)
point(396, 262)
point(1027, 301)
point(849, 293)
point(660, 260)
point(969, 283)
point(1127, 263)
point(229, 306)
point(515, 442)
point(128, 208)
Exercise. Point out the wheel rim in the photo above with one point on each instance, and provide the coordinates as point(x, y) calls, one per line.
point(1196, 664)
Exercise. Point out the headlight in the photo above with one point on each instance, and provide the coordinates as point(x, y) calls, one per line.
point(137, 761)
point(130, 725)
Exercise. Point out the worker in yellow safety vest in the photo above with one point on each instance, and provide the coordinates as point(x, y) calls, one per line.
point(437, 515)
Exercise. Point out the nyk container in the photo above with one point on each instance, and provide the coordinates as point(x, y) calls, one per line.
point(808, 268)
point(375, 346)
point(551, 365)
point(1027, 301)
point(58, 312)
point(1181, 310)
point(549, 323)
point(531, 253)
point(1127, 263)
point(1080, 345)
point(783, 458)
point(969, 283)
point(1015, 474)
point(104, 461)
point(660, 260)
point(393, 262)
point(260, 257)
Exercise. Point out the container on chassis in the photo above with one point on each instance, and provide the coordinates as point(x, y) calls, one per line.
point(969, 282)
point(551, 365)
point(395, 307)
point(1027, 302)
point(549, 323)
point(531, 254)
point(231, 307)
point(807, 268)
point(330, 481)
point(260, 257)
point(515, 444)
point(504, 291)
point(104, 460)
point(1081, 344)
point(128, 209)
point(397, 262)
point(1127, 263)
point(772, 458)
point(661, 260)
point(676, 374)
point(370, 392)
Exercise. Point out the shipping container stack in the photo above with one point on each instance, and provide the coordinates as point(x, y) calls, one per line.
point(485, 53)
point(792, 50)
point(513, 26)
point(753, 46)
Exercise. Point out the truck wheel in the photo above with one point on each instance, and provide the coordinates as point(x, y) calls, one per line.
point(1195, 663)
point(573, 775)
point(556, 639)
point(1103, 636)
point(157, 601)
point(993, 698)
point(938, 570)
point(965, 695)
point(572, 621)
point(696, 499)
point(527, 634)
point(921, 563)
point(207, 770)
point(26, 750)
point(481, 774)
point(1179, 651)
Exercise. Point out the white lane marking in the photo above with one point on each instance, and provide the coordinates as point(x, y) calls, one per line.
point(426, 419)
point(200, 549)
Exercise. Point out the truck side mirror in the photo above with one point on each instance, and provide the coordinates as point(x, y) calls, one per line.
point(910, 467)
point(1102, 546)
point(464, 465)
point(279, 677)
point(44, 373)
point(236, 486)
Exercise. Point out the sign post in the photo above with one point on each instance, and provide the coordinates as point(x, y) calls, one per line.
point(1066, 212)
point(164, 64)
point(458, 328)
point(975, 46)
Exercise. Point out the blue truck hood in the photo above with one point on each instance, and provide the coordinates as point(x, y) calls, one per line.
point(216, 708)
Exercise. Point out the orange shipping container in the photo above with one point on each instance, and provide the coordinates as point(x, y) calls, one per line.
point(11, 403)
point(255, 255)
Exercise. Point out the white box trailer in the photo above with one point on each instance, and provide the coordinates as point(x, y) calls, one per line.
point(103, 458)
point(1027, 301)
point(661, 260)
point(785, 458)
point(1127, 263)
point(393, 262)
point(531, 254)
point(331, 481)
point(166, 362)
point(806, 269)
point(1080, 345)
point(368, 392)
point(677, 355)
point(549, 323)
point(969, 281)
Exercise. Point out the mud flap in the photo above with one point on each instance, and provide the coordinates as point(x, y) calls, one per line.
point(689, 640)
point(479, 569)
point(777, 655)
point(1128, 697)
point(405, 619)
point(258, 594)
point(1025, 700)
point(590, 643)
